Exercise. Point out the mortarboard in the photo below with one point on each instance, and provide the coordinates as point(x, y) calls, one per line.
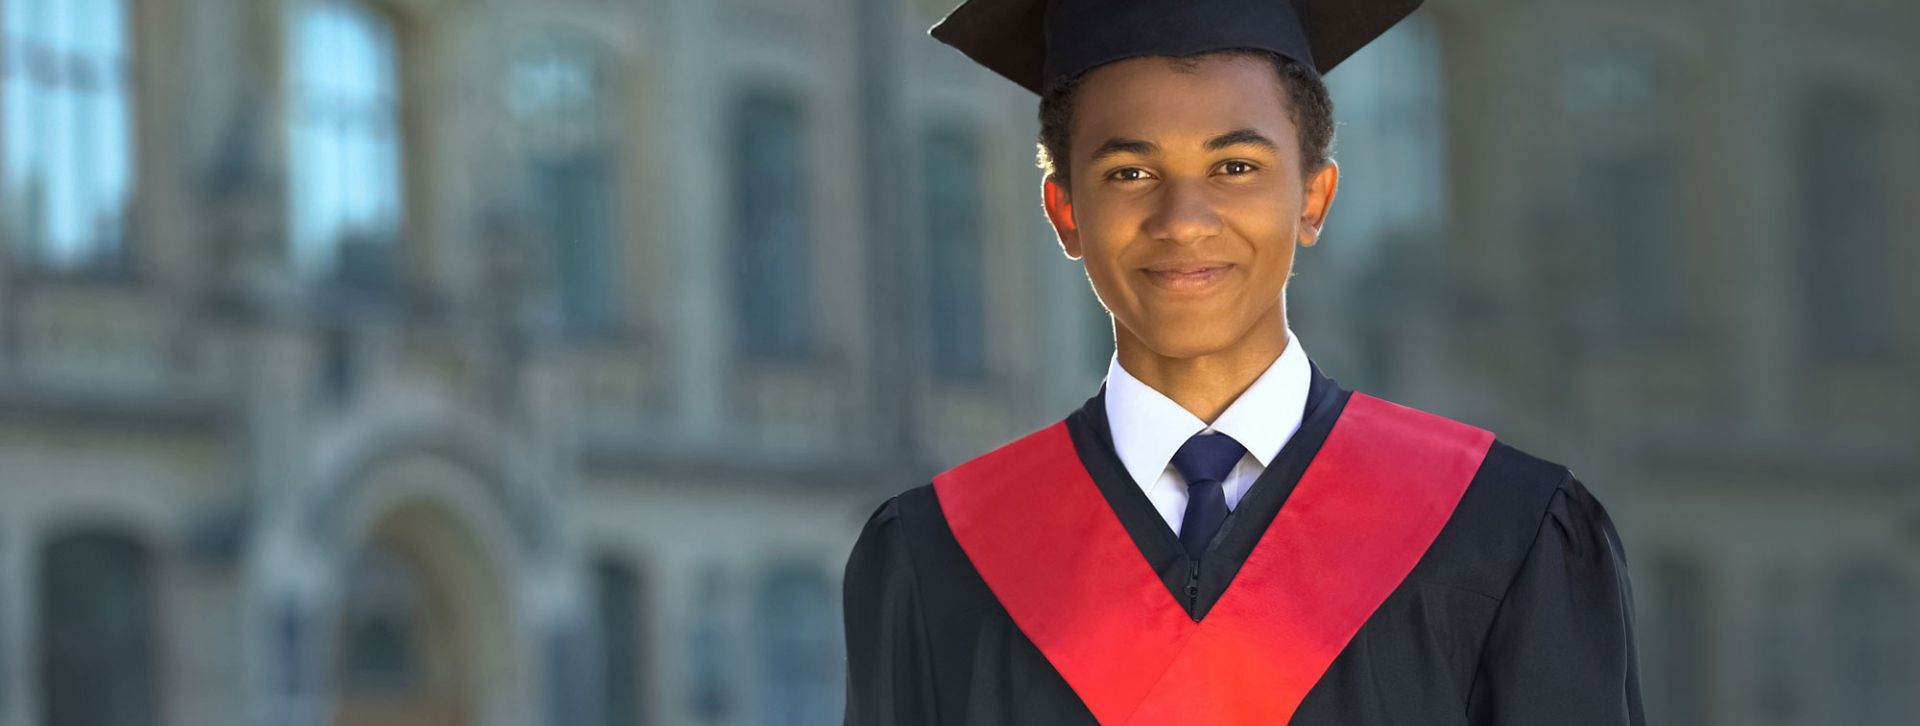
point(1031, 42)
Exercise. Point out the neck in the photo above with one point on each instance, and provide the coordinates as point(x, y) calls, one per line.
point(1205, 384)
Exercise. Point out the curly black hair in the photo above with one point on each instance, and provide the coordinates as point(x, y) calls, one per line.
point(1312, 108)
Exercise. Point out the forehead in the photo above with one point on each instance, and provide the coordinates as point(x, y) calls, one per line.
point(1167, 100)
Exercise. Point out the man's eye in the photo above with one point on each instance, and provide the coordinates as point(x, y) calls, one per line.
point(1130, 173)
point(1237, 168)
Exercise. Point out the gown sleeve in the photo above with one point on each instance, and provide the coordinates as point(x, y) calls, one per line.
point(889, 673)
point(1561, 650)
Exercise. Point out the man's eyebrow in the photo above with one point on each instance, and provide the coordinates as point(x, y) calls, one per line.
point(1237, 137)
point(1122, 145)
point(1117, 145)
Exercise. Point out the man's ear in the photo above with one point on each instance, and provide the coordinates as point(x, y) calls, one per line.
point(1320, 189)
point(1060, 213)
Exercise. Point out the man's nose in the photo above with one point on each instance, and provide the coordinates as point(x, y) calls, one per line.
point(1185, 213)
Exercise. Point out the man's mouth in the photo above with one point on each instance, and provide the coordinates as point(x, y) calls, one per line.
point(1187, 277)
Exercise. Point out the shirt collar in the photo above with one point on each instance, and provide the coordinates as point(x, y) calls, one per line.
point(1148, 427)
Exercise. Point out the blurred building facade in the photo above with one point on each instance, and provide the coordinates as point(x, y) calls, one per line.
point(475, 362)
point(515, 362)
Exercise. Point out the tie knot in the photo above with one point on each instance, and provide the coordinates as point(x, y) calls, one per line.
point(1207, 457)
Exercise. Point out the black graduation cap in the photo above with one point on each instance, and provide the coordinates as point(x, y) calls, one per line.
point(1034, 41)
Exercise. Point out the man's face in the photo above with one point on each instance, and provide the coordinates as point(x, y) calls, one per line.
point(1187, 198)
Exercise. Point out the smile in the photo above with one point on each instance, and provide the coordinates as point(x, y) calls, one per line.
point(1188, 278)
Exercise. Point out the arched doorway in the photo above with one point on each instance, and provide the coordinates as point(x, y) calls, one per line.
point(422, 636)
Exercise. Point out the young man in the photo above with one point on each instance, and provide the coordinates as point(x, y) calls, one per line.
point(1223, 535)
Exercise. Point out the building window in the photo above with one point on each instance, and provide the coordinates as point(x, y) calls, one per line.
point(68, 144)
point(345, 202)
point(96, 632)
point(621, 613)
point(771, 261)
point(712, 671)
point(6, 639)
point(1780, 647)
point(1389, 221)
point(1615, 92)
point(1845, 224)
point(1632, 198)
point(800, 648)
point(1392, 148)
point(292, 671)
point(1873, 668)
point(953, 209)
point(1098, 337)
point(1678, 642)
point(557, 95)
point(569, 676)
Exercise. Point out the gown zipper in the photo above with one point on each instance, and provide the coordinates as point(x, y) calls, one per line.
point(1193, 591)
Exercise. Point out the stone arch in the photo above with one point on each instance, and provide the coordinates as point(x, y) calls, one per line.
point(475, 458)
point(420, 549)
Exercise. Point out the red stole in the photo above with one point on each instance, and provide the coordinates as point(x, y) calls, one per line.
point(1374, 498)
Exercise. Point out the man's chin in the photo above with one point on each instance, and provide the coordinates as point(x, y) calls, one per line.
point(1188, 336)
point(1188, 343)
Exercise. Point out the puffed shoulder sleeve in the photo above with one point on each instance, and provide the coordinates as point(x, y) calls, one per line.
point(889, 671)
point(1561, 648)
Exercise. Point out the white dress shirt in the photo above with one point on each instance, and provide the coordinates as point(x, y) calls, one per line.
point(1148, 428)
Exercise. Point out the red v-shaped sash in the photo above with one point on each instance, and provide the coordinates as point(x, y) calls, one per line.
point(1045, 541)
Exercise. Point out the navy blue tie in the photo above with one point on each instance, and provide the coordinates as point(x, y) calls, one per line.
point(1205, 460)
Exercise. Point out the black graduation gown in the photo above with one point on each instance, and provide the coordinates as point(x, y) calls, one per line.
point(1519, 613)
